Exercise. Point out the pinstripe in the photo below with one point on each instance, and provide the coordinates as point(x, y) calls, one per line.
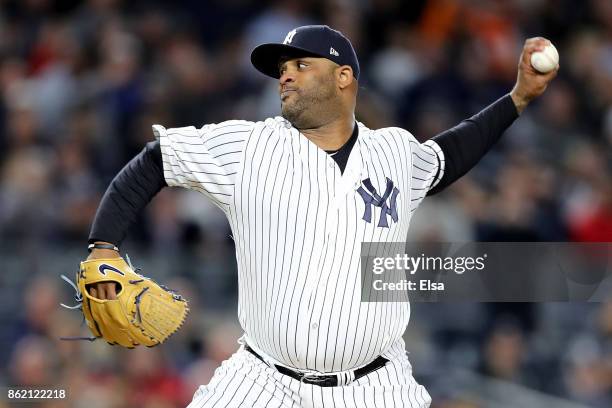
point(223, 144)
point(299, 392)
point(292, 304)
point(398, 381)
point(231, 385)
point(242, 238)
point(258, 269)
point(322, 259)
point(226, 153)
point(277, 309)
point(343, 390)
point(332, 395)
point(357, 319)
point(214, 391)
point(268, 405)
point(271, 320)
point(247, 232)
point(387, 373)
point(226, 133)
point(421, 396)
point(239, 387)
point(202, 172)
point(257, 399)
point(191, 153)
point(382, 388)
point(270, 285)
point(363, 397)
point(183, 160)
point(425, 160)
point(411, 395)
point(310, 332)
point(423, 390)
point(328, 342)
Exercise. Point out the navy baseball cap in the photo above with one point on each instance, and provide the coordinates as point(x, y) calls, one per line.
point(306, 41)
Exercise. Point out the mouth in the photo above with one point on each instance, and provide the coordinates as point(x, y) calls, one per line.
point(286, 92)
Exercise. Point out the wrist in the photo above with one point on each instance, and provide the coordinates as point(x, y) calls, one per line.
point(102, 245)
point(103, 254)
point(101, 249)
point(520, 102)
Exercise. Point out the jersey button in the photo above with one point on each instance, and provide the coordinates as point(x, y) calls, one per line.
point(331, 165)
point(314, 326)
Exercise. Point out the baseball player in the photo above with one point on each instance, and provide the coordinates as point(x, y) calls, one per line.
point(301, 192)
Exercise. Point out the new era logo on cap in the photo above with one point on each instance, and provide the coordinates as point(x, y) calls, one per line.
point(306, 41)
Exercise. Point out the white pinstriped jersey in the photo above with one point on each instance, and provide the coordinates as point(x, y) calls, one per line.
point(298, 225)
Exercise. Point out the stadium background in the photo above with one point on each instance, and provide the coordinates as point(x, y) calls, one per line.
point(81, 82)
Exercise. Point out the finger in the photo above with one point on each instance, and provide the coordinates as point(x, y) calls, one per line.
point(101, 291)
point(532, 45)
point(555, 71)
point(93, 292)
point(545, 77)
point(530, 49)
point(111, 290)
point(538, 41)
point(550, 75)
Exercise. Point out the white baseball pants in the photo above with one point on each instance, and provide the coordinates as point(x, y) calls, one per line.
point(245, 381)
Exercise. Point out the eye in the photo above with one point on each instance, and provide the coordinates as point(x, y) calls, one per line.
point(302, 65)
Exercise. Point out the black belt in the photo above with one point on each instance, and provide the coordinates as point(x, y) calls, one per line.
point(323, 380)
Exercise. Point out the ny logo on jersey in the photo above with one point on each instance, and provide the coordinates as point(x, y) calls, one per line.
point(372, 198)
point(289, 37)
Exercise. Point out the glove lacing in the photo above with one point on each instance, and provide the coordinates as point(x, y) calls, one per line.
point(78, 296)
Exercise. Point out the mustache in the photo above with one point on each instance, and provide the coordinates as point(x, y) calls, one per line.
point(284, 88)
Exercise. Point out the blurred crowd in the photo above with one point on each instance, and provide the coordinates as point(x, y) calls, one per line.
point(82, 81)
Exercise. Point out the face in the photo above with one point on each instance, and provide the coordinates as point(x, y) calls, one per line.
point(308, 91)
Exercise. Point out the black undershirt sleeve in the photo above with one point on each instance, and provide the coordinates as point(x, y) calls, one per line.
point(465, 144)
point(128, 194)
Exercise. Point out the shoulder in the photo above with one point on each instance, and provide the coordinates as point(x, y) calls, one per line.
point(237, 128)
point(392, 132)
point(395, 134)
point(275, 124)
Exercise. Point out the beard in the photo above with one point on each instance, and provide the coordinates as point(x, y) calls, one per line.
point(310, 108)
point(296, 111)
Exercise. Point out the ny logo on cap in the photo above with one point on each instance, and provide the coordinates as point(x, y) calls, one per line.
point(289, 36)
point(372, 198)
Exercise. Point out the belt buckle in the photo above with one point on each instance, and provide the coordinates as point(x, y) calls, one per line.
point(316, 379)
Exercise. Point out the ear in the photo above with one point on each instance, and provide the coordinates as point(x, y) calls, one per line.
point(344, 76)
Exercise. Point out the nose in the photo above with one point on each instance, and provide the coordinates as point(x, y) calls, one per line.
point(287, 76)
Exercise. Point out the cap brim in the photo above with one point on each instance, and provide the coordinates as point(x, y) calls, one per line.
point(265, 57)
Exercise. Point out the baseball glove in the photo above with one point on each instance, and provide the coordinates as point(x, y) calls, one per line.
point(144, 313)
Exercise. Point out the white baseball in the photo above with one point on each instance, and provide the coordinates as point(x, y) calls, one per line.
point(546, 60)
